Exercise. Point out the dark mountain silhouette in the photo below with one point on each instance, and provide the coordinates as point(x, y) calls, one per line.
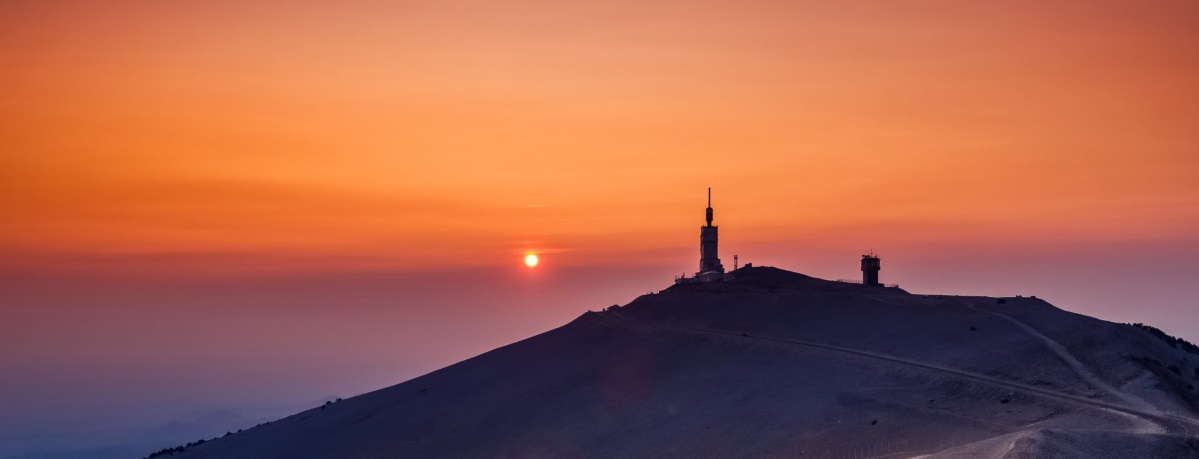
point(778, 364)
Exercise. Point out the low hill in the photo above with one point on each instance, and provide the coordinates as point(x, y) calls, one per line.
point(778, 364)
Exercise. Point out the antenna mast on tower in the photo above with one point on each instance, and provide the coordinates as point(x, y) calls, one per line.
point(709, 211)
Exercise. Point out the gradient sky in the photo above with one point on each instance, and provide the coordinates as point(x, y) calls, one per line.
point(241, 204)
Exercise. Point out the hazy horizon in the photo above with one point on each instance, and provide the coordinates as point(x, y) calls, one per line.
point(91, 351)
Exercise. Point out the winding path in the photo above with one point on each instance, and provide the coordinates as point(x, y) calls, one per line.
point(1168, 423)
point(1078, 367)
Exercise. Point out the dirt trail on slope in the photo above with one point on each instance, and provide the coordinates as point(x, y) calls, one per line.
point(1160, 422)
point(1075, 364)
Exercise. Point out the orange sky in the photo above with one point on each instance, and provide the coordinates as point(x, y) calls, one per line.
point(460, 133)
point(249, 203)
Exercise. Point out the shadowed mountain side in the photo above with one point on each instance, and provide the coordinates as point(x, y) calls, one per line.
point(980, 334)
point(770, 364)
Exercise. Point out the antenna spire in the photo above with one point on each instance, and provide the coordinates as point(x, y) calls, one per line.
point(709, 210)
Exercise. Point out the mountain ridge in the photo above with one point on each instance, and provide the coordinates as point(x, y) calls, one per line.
point(771, 363)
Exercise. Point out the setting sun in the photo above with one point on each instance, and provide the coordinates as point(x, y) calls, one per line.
point(531, 260)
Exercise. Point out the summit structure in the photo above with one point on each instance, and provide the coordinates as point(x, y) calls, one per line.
point(870, 267)
point(710, 268)
point(709, 260)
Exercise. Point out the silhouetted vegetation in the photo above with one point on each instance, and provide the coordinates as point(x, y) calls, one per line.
point(1001, 301)
point(1172, 341)
point(178, 449)
point(166, 452)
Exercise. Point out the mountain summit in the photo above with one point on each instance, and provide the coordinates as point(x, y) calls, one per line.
point(771, 363)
